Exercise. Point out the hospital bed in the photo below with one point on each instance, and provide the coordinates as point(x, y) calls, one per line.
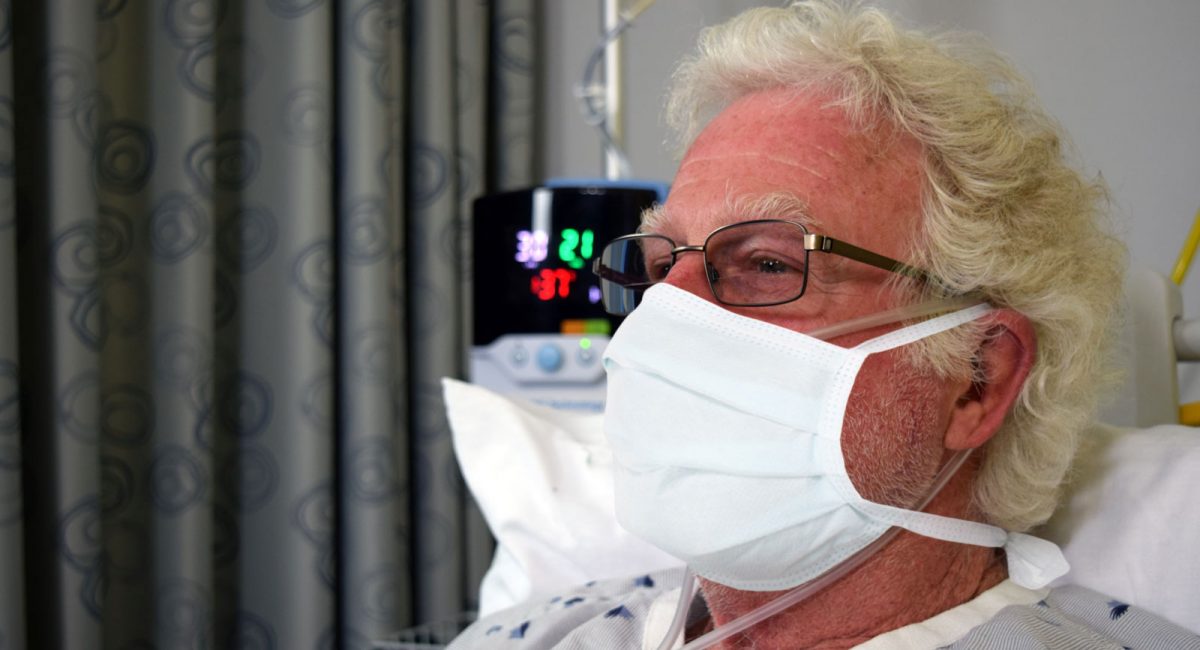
point(1129, 524)
point(1154, 339)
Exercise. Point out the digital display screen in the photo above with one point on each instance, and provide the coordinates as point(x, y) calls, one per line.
point(532, 256)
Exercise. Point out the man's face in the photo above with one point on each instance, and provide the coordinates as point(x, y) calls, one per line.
point(861, 188)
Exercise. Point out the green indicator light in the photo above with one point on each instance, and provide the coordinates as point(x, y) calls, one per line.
point(585, 344)
point(597, 326)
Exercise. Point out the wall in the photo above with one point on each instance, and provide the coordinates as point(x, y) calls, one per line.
point(1122, 77)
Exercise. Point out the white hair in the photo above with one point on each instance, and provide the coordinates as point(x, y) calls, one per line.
point(1004, 214)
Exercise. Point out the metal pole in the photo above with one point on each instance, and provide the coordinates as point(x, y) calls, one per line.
point(613, 114)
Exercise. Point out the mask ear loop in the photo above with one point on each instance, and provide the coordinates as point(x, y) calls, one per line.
point(801, 592)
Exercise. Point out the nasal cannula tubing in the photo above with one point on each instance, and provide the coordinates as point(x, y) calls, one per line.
point(889, 316)
point(687, 591)
point(799, 593)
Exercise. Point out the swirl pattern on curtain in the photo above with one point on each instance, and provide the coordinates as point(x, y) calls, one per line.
point(231, 277)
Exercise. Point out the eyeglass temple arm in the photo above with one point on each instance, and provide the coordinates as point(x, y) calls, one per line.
point(612, 275)
point(831, 245)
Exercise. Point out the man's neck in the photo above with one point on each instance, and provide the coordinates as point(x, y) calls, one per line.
point(911, 579)
point(888, 592)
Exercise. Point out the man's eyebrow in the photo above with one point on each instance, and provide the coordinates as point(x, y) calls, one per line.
point(773, 205)
point(653, 219)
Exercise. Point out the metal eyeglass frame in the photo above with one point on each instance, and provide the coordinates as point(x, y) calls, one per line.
point(812, 242)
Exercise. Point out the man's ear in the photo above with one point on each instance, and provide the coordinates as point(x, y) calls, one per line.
point(1003, 360)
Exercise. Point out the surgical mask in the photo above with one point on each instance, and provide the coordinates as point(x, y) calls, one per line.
point(726, 434)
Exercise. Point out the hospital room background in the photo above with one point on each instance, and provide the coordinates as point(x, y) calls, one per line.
point(232, 278)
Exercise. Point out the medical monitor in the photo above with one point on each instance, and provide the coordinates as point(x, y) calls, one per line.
point(539, 328)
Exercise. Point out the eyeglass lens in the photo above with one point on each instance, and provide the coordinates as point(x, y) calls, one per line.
point(750, 263)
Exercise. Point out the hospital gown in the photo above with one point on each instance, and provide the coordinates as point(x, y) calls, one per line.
point(633, 613)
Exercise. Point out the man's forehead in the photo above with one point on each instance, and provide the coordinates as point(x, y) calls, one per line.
point(784, 156)
point(807, 131)
point(777, 154)
point(771, 118)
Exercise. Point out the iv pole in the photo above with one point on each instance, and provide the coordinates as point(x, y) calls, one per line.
point(613, 114)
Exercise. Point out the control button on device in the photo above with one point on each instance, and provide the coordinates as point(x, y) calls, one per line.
point(519, 355)
point(586, 355)
point(549, 357)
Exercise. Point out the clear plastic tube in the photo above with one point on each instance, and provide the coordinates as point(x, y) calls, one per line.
point(803, 591)
point(890, 316)
point(687, 592)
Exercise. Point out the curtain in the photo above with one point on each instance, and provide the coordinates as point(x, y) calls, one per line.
point(232, 275)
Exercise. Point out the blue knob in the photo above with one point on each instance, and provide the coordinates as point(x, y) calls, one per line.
point(549, 357)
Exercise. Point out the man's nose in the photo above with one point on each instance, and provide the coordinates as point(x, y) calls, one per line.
point(691, 274)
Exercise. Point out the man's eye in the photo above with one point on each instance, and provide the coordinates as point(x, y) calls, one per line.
point(768, 265)
point(765, 263)
point(657, 270)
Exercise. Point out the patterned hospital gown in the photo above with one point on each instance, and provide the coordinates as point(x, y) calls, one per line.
point(611, 615)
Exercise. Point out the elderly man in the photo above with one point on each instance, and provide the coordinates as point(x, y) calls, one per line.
point(873, 261)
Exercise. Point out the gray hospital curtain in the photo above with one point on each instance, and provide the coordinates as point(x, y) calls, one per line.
point(230, 279)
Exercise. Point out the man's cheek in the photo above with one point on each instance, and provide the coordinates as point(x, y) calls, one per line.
point(889, 437)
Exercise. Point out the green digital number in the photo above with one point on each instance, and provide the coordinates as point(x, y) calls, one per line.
point(576, 248)
point(585, 249)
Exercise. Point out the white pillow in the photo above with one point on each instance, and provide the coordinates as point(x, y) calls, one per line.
point(543, 479)
point(1130, 523)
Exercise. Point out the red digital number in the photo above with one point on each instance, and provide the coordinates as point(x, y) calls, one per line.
point(549, 283)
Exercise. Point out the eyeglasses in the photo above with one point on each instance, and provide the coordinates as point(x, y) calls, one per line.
point(748, 264)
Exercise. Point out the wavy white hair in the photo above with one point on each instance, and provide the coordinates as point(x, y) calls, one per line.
point(1005, 215)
